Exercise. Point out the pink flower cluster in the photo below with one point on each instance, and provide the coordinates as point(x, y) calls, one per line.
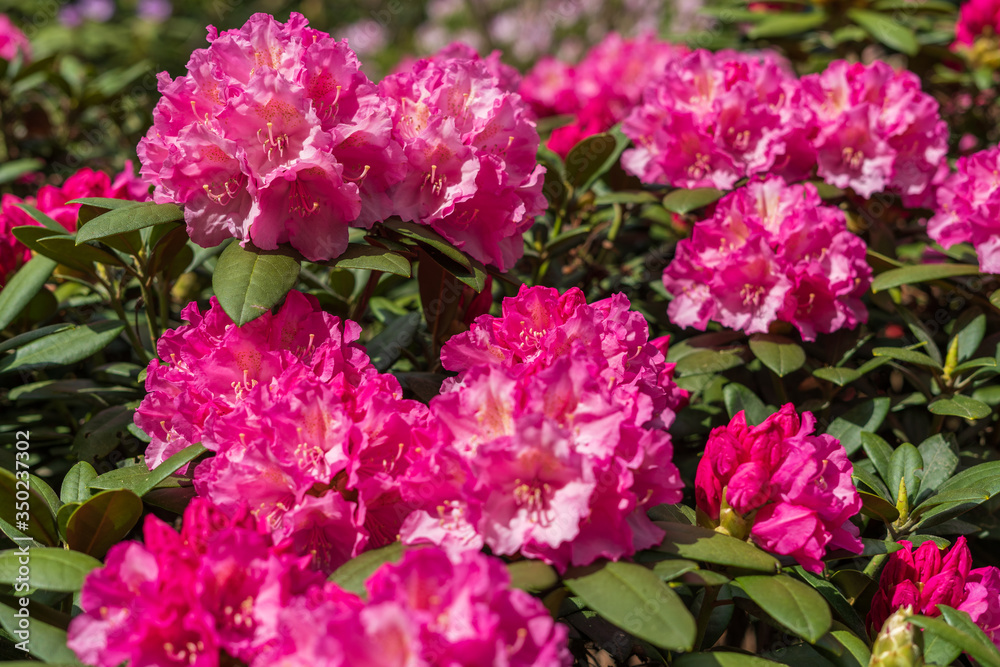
point(469, 150)
point(12, 41)
point(52, 201)
point(977, 18)
point(968, 205)
point(220, 591)
point(779, 485)
point(552, 437)
point(926, 577)
point(305, 430)
point(601, 89)
point(274, 136)
point(711, 119)
point(771, 252)
point(427, 609)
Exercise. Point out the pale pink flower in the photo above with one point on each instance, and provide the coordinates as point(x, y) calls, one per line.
point(776, 483)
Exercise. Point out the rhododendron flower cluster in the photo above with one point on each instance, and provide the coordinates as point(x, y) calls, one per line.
point(221, 589)
point(926, 577)
point(306, 431)
point(771, 252)
point(12, 40)
point(52, 201)
point(601, 89)
point(711, 119)
point(552, 437)
point(977, 18)
point(968, 205)
point(876, 130)
point(787, 490)
point(427, 609)
point(274, 136)
point(469, 147)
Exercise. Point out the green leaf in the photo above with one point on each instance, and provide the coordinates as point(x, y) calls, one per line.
point(793, 604)
point(685, 201)
point(886, 30)
point(921, 273)
point(740, 398)
point(905, 464)
point(722, 658)
point(68, 252)
point(41, 523)
point(63, 348)
point(430, 239)
point(879, 453)
point(588, 157)
point(838, 376)
point(50, 568)
point(636, 600)
point(860, 474)
point(372, 258)
point(878, 508)
point(35, 334)
point(103, 521)
point(47, 641)
point(533, 576)
point(43, 219)
point(13, 169)
point(22, 287)
point(701, 544)
point(707, 361)
point(908, 356)
point(167, 468)
point(249, 282)
point(970, 643)
point(835, 598)
point(784, 25)
point(970, 329)
point(960, 406)
point(351, 576)
point(866, 416)
point(985, 475)
point(128, 219)
point(939, 463)
point(995, 299)
point(780, 354)
point(670, 569)
point(962, 621)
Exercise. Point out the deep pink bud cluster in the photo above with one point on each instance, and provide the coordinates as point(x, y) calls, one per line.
point(977, 18)
point(274, 136)
point(12, 40)
point(601, 89)
point(771, 252)
point(710, 119)
point(52, 201)
point(427, 609)
point(968, 204)
point(876, 130)
point(552, 437)
point(776, 483)
point(925, 577)
point(469, 149)
point(305, 430)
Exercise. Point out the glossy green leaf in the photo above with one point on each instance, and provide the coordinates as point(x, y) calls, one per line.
point(249, 282)
point(167, 468)
point(970, 642)
point(701, 544)
point(533, 576)
point(784, 25)
point(50, 568)
point(835, 599)
point(960, 406)
point(907, 356)
point(879, 453)
point(11, 170)
point(35, 334)
point(865, 416)
point(672, 568)
point(22, 287)
point(588, 158)
point(43, 219)
point(129, 219)
point(103, 521)
point(905, 464)
point(62, 348)
point(837, 375)
point(921, 273)
point(780, 354)
point(372, 258)
point(722, 658)
point(940, 462)
point(740, 398)
point(635, 599)
point(41, 523)
point(68, 252)
point(685, 201)
point(792, 604)
point(351, 576)
point(707, 361)
point(970, 329)
point(887, 30)
point(878, 508)
point(47, 640)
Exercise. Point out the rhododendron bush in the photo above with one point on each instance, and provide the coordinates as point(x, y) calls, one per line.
point(669, 338)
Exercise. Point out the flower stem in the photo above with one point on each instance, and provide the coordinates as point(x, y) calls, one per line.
point(705, 614)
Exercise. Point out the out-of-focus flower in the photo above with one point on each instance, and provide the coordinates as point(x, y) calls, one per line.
point(155, 11)
point(782, 487)
point(771, 252)
point(968, 204)
point(12, 40)
point(925, 577)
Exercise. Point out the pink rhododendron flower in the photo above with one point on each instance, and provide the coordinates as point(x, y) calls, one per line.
point(776, 483)
point(274, 136)
point(977, 18)
point(12, 40)
point(876, 130)
point(771, 252)
point(427, 609)
point(184, 598)
point(926, 577)
point(52, 201)
point(552, 440)
point(469, 148)
point(601, 89)
point(710, 119)
point(968, 204)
